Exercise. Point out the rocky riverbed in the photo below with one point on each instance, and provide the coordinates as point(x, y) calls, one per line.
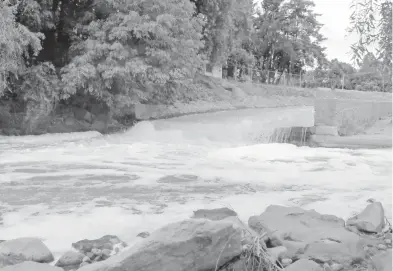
point(281, 238)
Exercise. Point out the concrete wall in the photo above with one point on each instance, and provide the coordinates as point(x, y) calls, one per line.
point(348, 115)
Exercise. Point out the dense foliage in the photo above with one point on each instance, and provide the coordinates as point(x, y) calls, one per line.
point(372, 21)
point(123, 52)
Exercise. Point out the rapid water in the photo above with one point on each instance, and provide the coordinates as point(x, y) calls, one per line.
point(67, 187)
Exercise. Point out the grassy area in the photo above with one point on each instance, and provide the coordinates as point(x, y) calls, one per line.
point(217, 94)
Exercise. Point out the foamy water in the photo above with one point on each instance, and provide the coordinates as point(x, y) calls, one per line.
point(63, 188)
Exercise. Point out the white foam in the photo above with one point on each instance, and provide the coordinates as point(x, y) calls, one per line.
point(40, 195)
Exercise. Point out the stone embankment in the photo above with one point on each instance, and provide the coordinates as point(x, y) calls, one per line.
point(281, 238)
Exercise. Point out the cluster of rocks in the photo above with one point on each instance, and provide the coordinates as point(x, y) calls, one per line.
point(281, 238)
point(90, 251)
point(31, 254)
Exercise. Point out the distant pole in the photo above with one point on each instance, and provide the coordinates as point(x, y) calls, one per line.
point(300, 79)
point(342, 82)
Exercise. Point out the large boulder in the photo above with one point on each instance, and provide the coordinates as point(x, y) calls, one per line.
point(371, 219)
point(31, 249)
point(31, 266)
point(194, 244)
point(308, 234)
point(70, 260)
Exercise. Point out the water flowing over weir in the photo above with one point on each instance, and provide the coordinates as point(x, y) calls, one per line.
point(68, 187)
point(250, 126)
point(299, 136)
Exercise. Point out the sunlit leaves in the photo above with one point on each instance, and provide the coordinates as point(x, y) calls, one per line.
point(144, 42)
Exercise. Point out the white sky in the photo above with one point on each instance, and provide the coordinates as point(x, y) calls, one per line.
point(335, 17)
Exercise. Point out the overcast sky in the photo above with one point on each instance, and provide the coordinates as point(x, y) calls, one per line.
point(335, 17)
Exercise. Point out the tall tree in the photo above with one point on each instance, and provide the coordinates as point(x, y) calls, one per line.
point(226, 24)
point(17, 46)
point(287, 35)
point(145, 44)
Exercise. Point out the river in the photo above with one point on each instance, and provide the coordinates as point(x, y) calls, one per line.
point(67, 187)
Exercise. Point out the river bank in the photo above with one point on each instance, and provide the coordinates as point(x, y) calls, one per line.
point(214, 95)
point(281, 238)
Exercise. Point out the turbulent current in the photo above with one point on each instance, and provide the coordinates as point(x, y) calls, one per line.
point(67, 187)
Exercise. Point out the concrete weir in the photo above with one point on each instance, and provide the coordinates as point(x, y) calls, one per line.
point(342, 123)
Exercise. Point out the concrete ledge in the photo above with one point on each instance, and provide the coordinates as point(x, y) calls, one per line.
point(352, 142)
point(350, 116)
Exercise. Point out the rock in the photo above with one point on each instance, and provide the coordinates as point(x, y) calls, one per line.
point(31, 266)
point(194, 244)
point(336, 267)
point(83, 264)
point(371, 219)
point(388, 241)
point(106, 253)
point(308, 234)
point(382, 247)
point(382, 261)
point(107, 241)
point(286, 261)
point(304, 265)
point(6, 260)
point(277, 253)
point(32, 249)
point(214, 214)
point(86, 259)
point(70, 260)
point(90, 255)
point(96, 251)
point(144, 234)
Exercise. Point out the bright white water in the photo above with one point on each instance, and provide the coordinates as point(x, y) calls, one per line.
point(63, 188)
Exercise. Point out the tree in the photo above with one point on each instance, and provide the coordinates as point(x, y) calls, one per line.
point(17, 46)
point(286, 36)
point(145, 44)
point(372, 21)
point(226, 24)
